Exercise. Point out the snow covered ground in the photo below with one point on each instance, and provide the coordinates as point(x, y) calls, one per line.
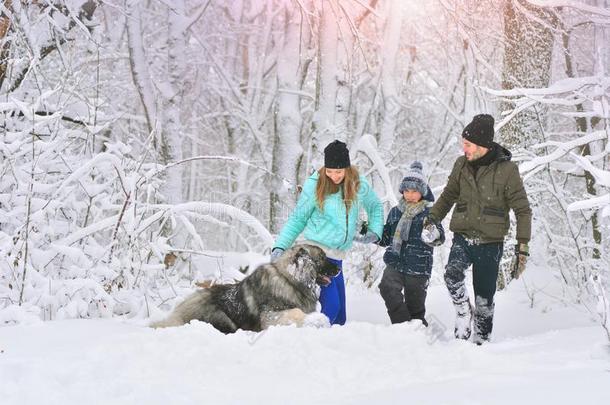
point(551, 354)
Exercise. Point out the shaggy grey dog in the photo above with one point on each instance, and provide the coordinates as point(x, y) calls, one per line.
point(276, 293)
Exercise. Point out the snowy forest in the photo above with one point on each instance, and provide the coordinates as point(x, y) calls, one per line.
point(149, 145)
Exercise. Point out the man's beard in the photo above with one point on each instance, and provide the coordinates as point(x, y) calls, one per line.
point(475, 155)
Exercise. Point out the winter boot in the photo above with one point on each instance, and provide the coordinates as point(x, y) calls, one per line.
point(463, 320)
point(483, 319)
point(479, 339)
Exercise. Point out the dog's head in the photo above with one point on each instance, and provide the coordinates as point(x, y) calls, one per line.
point(311, 260)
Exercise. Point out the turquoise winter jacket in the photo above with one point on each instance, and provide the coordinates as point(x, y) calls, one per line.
point(330, 227)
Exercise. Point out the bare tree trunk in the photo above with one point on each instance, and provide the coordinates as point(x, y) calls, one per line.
point(585, 150)
point(5, 44)
point(287, 149)
point(172, 131)
point(474, 102)
point(137, 61)
point(527, 60)
point(390, 48)
point(332, 82)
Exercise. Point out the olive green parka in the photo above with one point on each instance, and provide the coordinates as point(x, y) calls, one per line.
point(482, 202)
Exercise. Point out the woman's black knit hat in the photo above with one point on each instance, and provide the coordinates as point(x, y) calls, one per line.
point(336, 156)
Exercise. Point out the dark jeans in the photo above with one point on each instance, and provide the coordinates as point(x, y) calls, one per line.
point(404, 295)
point(485, 261)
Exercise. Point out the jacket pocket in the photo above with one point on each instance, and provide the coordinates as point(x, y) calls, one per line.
point(495, 222)
point(494, 212)
point(459, 218)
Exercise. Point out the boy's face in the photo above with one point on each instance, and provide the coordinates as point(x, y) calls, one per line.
point(411, 196)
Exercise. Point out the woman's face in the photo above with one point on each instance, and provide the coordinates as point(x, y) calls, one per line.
point(336, 175)
point(411, 196)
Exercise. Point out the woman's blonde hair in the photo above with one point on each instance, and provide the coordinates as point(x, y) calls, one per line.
point(350, 184)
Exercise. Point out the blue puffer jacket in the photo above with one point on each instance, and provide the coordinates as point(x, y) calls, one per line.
point(332, 227)
point(415, 257)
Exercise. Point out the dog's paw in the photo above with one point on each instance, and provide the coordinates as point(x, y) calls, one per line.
point(316, 320)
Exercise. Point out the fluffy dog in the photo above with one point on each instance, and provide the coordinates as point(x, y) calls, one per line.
point(277, 293)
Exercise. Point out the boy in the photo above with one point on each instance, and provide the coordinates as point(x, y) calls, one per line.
point(408, 257)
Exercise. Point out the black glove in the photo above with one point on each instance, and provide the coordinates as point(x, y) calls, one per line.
point(521, 254)
point(390, 257)
point(369, 237)
point(364, 228)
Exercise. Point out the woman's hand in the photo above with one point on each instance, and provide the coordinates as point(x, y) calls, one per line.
point(276, 253)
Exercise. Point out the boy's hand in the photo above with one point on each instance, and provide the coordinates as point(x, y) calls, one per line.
point(430, 234)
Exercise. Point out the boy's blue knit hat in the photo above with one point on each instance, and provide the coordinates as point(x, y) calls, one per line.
point(414, 180)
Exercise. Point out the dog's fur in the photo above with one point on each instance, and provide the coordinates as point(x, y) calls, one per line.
point(277, 293)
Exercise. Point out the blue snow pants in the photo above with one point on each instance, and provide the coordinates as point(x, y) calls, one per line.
point(332, 297)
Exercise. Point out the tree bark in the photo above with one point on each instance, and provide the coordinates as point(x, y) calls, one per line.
point(583, 127)
point(527, 60)
point(332, 80)
point(287, 149)
point(5, 24)
point(137, 62)
point(388, 72)
point(172, 131)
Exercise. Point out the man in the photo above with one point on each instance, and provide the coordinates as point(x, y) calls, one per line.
point(484, 185)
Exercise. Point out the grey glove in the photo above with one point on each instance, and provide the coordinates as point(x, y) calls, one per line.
point(369, 237)
point(522, 252)
point(430, 234)
point(276, 253)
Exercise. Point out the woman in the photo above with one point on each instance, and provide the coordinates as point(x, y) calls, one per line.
point(327, 215)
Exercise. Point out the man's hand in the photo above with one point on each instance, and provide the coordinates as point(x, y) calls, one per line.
point(521, 254)
point(429, 221)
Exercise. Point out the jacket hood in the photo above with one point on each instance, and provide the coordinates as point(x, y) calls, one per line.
point(502, 154)
point(429, 195)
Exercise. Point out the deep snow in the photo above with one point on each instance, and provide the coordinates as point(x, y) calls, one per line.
point(548, 354)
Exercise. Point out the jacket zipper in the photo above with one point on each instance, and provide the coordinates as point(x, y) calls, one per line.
point(346, 223)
